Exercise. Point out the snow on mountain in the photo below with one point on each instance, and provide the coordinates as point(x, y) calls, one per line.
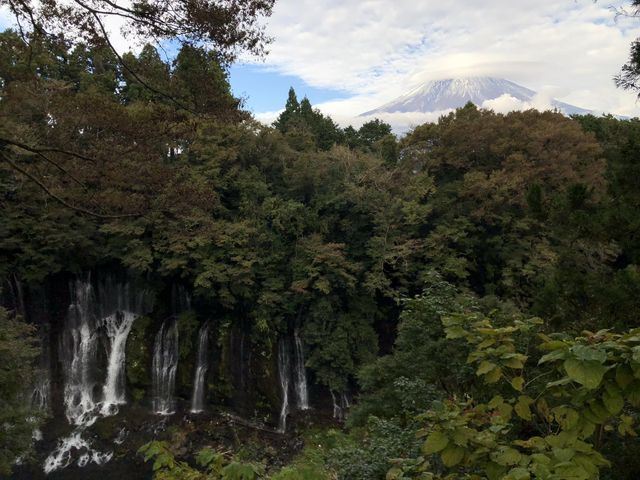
point(453, 93)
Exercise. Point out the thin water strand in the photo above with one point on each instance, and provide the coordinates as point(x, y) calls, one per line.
point(164, 366)
point(202, 366)
point(284, 373)
point(300, 379)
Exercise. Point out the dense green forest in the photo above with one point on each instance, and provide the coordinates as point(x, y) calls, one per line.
point(465, 295)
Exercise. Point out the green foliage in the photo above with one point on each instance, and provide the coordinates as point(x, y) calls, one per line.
point(530, 429)
point(424, 365)
point(187, 343)
point(366, 453)
point(211, 465)
point(138, 355)
point(18, 350)
point(305, 126)
point(304, 472)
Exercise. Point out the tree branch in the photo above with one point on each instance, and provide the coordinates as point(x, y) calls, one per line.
point(60, 200)
point(124, 64)
point(39, 153)
point(28, 148)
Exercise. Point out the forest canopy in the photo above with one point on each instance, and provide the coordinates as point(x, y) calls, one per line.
point(467, 292)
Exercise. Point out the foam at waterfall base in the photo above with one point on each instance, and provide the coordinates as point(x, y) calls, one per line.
point(63, 456)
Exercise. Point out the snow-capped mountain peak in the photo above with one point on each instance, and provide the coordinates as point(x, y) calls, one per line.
point(452, 93)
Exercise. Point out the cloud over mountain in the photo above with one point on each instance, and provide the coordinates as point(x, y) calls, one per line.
point(487, 92)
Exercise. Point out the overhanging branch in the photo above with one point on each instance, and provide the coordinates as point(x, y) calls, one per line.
point(60, 200)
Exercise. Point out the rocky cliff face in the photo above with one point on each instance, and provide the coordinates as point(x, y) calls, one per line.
point(114, 345)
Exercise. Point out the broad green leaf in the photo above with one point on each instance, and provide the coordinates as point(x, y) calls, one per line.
point(541, 458)
point(493, 376)
point(522, 408)
point(205, 456)
point(564, 454)
point(588, 373)
point(494, 471)
point(559, 383)
point(567, 417)
point(613, 401)
point(461, 436)
point(452, 455)
point(435, 442)
point(485, 367)
point(506, 456)
point(486, 343)
point(514, 363)
point(239, 471)
point(519, 473)
point(553, 356)
point(550, 345)
point(505, 410)
point(518, 383)
point(455, 332)
point(582, 352)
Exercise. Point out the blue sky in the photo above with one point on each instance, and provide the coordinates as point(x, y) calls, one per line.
point(265, 90)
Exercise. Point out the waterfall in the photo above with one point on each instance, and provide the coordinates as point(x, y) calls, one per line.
point(117, 327)
point(340, 405)
point(110, 313)
point(197, 399)
point(284, 373)
point(40, 395)
point(164, 366)
point(79, 358)
point(15, 288)
point(300, 377)
point(79, 350)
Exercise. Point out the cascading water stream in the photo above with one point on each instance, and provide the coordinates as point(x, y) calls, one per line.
point(78, 355)
point(117, 327)
point(300, 377)
point(15, 290)
point(202, 366)
point(41, 392)
point(113, 316)
point(164, 366)
point(284, 373)
point(340, 405)
point(79, 351)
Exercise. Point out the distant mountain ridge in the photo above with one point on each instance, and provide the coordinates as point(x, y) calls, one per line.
point(454, 93)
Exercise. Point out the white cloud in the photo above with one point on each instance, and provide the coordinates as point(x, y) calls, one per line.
point(377, 50)
point(505, 104)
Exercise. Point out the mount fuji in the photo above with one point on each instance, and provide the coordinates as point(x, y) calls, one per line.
point(454, 93)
